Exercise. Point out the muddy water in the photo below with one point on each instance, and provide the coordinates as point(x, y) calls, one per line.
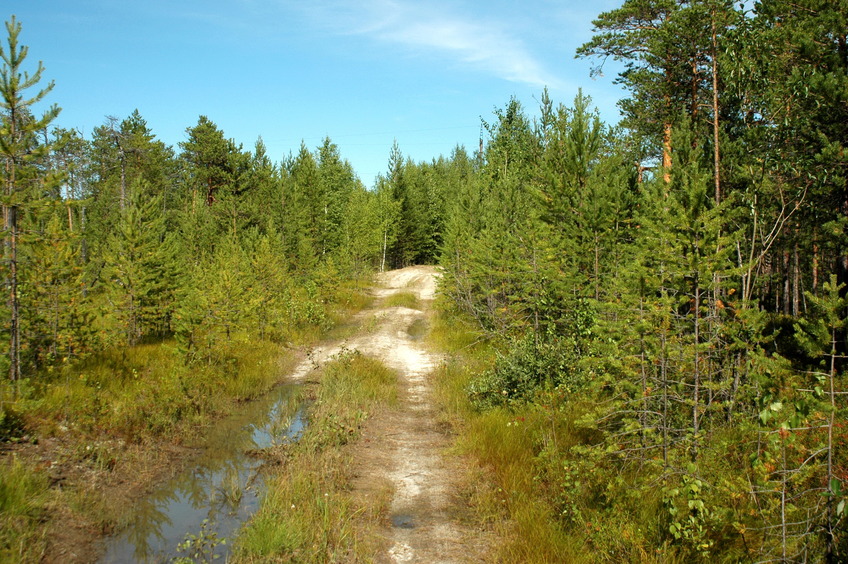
point(417, 329)
point(217, 494)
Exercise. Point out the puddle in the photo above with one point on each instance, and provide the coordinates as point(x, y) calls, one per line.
point(417, 329)
point(219, 493)
point(401, 521)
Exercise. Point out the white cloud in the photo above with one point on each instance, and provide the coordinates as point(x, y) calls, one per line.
point(481, 43)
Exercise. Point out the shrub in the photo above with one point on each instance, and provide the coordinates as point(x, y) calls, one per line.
point(527, 368)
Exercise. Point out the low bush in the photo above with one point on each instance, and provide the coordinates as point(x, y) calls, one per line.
point(528, 367)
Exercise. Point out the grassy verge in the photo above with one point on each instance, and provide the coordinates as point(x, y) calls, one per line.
point(505, 443)
point(308, 514)
point(552, 492)
point(81, 438)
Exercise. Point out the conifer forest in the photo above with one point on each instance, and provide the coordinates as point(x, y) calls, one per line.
point(645, 322)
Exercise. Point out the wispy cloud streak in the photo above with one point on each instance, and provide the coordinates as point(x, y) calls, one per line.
point(483, 43)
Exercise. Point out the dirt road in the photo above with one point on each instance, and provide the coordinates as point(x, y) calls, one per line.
point(404, 450)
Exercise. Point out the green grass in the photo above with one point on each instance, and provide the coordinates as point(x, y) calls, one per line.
point(454, 334)
point(143, 395)
point(524, 454)
point(24, 506)
point(402, 299)
point(552, 493)
point(148, 392)
point(308, 514)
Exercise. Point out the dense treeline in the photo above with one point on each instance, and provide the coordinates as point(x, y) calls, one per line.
point(674, 290)
point(670, 293)
point(121, 239)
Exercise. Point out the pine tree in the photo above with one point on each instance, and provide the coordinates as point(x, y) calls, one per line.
point(19, 147)
point(585, 192)
point(803, 64)
point(821, 338)
point(59, 318)
point(670, 51)
point(265, 281)
point(388, 220)
point(140, 271)
point(338, 181)
point(494, 241)
point(207, 157)
point(362, 233)
point(303, 210)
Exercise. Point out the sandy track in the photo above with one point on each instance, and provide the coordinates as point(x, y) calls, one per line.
point(403, 450)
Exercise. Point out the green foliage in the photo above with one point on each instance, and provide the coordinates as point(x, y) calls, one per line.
point(415, 194)
point(215, 164)
point(148, 392)
point(200, 547)
point(672, 430)
point(689, 515)
point(11, 423)
point(402, 299)
point(59, 320)
point(140, 268)
point(24, 177)
point(819, 334)
point(673, 379)
point(528, 368)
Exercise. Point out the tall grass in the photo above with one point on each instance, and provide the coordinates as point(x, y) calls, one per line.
point(308, 514)
point(114, 408)
point(455, 335)
point(24, 505)
point(148, 391)
point(142, 394)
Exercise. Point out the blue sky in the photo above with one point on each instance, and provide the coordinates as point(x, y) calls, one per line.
point(362, 72)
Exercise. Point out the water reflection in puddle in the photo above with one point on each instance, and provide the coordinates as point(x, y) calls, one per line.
point(417, 329)
point(222, 489)
point(403, 521)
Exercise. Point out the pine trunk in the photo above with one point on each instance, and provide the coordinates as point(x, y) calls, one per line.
point(667, 152)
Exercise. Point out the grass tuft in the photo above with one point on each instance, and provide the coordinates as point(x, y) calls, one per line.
point(114, 408)
point(402, 299)
point(148, 392)
point(454, 334)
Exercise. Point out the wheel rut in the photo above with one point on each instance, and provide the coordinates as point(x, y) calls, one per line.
point(404, 451)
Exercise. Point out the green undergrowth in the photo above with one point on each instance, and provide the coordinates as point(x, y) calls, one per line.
point(142, 396)
point(308, 514)
point(350, 297)
point(169, 389)
point(531, 489)
point(147, 392)
point(118, 405)
point(557, 486)
point(505, 444)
